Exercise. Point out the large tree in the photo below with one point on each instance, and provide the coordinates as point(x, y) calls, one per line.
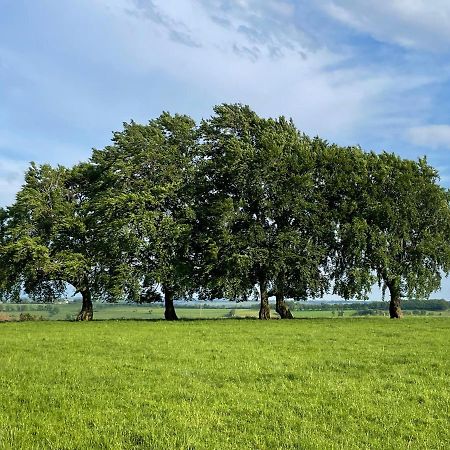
point(145, 199)
point(408, 223)
point(30, 234)
point(258, 204)
point(391, 222)
point(52, 238)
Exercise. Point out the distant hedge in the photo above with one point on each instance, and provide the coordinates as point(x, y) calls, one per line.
point(408, 305)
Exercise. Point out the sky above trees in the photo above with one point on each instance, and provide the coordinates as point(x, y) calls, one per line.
point(352, 71)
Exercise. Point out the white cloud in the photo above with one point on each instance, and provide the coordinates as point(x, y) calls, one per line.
point(419, 24)
point(430, 136)
point(254, 52)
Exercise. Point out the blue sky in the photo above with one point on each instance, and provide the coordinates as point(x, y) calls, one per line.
point(361, 72)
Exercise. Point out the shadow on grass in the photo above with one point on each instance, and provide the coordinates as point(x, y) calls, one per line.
point(215, 319)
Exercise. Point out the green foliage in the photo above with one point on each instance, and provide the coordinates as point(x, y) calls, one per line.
point(391, 223)
point(342, 179)
point(259, 209)
point(150, 295)
point(144, 201)
point(26, 317)
point(34, 222)
point(217, 210)
point(408, 218)
point(52, 238)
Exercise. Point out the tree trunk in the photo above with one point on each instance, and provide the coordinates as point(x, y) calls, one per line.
point(281, 307)
point(169, 312)
point(395, 310)
point(87, 311)
point(264, 310)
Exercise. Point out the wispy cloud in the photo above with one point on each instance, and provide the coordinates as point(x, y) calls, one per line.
point(417, 24)
point(430, 136)
point(177, 30)
point(259, 53)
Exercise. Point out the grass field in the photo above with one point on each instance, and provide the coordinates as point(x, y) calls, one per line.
point(105, 311)
point(222, 384)
point(108, 311)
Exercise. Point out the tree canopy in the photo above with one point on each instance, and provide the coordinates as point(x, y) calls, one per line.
point(144, 195)
point(259, 190)
point(238, 206)
point(405, 220)
point(53, 239)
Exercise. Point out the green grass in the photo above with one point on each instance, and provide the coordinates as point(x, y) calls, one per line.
point(108, 311)
point(222, 384)
point(105, 311)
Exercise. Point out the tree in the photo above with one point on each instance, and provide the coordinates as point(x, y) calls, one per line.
point(301, 227)
point(25, 255)
point(145, 201)
point(258, 207)
point(408, 221)
point(9, 288)
point(342, 177)
point(52, 239)
point(391, 224)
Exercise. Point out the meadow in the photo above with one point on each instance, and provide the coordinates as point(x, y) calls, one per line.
point(317, 383)
point(155, 311)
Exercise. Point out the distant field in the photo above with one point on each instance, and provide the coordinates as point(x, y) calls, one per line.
point(226, 384)
point(107, 311)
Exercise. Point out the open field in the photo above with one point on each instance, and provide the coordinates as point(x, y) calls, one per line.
point(145, 312)
point(219, 384)
point(107, 311)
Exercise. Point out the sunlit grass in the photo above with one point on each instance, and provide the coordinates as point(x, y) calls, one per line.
point(322, 383)
point(155, 311)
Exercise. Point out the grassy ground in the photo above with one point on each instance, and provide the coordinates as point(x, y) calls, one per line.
point(107, 311)
point(222, 384)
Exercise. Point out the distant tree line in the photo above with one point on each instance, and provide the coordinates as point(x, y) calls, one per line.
point(233, 207)
point(408, 305)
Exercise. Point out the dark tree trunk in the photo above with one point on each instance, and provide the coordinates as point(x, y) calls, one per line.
point(395, 310)
point(169, 312)
point(264, 310)
point(281, 307)
point(87, 311)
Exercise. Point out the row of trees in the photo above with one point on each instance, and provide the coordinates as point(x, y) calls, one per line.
point(218, 210)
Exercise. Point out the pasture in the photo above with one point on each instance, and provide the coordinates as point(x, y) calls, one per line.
point(226, 384)
point(155, 311)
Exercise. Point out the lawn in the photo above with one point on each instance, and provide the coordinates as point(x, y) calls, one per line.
point(220, 384)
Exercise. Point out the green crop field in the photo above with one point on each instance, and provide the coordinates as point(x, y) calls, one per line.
point(219, 384)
